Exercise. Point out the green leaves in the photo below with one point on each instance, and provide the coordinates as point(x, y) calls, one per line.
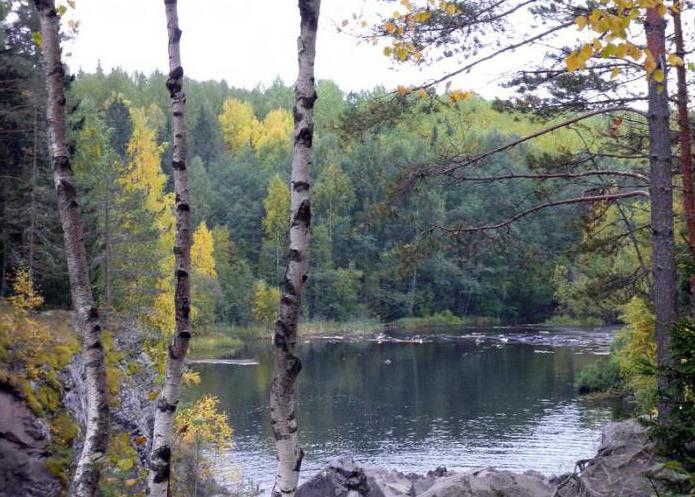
point(37, 38)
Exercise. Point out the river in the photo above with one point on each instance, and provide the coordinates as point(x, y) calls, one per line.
point(461, 398)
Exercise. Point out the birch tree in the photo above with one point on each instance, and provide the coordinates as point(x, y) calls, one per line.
point(85, 482)
point(286, 364)
point(160, 457)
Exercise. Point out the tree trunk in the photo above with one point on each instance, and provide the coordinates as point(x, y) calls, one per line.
point(160, 457)
point(286, 364)
point(661, 199)
point(686, 157)
point(86, 479)
point(32, 209)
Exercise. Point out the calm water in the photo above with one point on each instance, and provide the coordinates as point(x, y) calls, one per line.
point(501, 398)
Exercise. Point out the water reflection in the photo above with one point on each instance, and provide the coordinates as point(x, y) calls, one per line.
point(415, 406)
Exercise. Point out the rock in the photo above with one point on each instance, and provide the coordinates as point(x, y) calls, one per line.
point(388, 482)
point(342, 478)
point(620, 467)
point(490, 482)
point(24, 440)
point(133, 411)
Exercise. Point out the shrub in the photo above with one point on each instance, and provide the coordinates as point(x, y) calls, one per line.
point(599, 376)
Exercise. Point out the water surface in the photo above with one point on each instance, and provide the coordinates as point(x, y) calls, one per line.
point(461, 399)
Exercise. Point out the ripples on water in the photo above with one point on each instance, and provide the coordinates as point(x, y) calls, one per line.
point(462, 400)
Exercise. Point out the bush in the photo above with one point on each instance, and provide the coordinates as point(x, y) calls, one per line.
point(599, 376)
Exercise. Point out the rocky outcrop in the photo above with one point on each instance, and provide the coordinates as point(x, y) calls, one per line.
point(24, 440)
point(344, 478)
point(620, 468)
point(132, 410)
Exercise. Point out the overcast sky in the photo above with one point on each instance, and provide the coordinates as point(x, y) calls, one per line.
point(248, 42)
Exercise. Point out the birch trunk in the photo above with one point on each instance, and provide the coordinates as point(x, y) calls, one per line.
point(286, 364)
point(686, 157)
point(86, 479)
point(661, 199)
point(160, 457)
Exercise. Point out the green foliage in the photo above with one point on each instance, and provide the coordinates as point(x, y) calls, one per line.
point(675, 433)
point(32, 350)
point(635, 352)
point(599, 376)
point(198, 427)
point(444, 318)
point(266, 302)
point(122, 475)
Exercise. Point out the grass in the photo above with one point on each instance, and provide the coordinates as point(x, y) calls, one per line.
point(214, 342)
point(441, 319)
point(354, 327)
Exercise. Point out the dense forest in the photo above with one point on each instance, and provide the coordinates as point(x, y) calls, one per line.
point(140, 211)
point(374, 255)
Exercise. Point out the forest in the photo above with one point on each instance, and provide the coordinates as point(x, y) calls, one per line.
point(316, 241)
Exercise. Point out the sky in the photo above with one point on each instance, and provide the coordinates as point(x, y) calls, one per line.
point(251, 42)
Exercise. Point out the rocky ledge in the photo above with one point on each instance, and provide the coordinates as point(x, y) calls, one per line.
point(621, 467)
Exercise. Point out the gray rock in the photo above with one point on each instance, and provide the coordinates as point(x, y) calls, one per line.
point(490, 482)
point(23, 449)
point(620, 467)
point(342, 478)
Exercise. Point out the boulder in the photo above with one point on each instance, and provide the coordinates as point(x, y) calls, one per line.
point(24, 440)
point(620, 467)
point(490, 482)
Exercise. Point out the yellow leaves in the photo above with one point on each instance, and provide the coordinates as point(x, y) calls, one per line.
point(674, 60)
point(274, 130)
point(449, 8)
point(203, 252)
point(649, 62)
point(143, 177)
point(459, 95)
point(422, 16)
point(633, 51)
point(139, 440)
point(266, 301)
point(401, 52)
point(277, 207)
point(659, 75)
point(189, 378)
point(615, 72)
point(388, 51)
point(577, 59)
point(389, 27)
point(611, 21)
point(37, 39)
point(237, 123)
point(204, 423)
point(25, 297)
point(241, 128)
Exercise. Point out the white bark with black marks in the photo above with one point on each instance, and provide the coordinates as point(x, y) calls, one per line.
point(165, 412)
point(85, 482)
point(286, 364)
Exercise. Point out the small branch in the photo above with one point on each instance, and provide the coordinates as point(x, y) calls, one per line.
point(596, 198)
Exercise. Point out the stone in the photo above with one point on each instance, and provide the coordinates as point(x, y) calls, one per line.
point(24, 440)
